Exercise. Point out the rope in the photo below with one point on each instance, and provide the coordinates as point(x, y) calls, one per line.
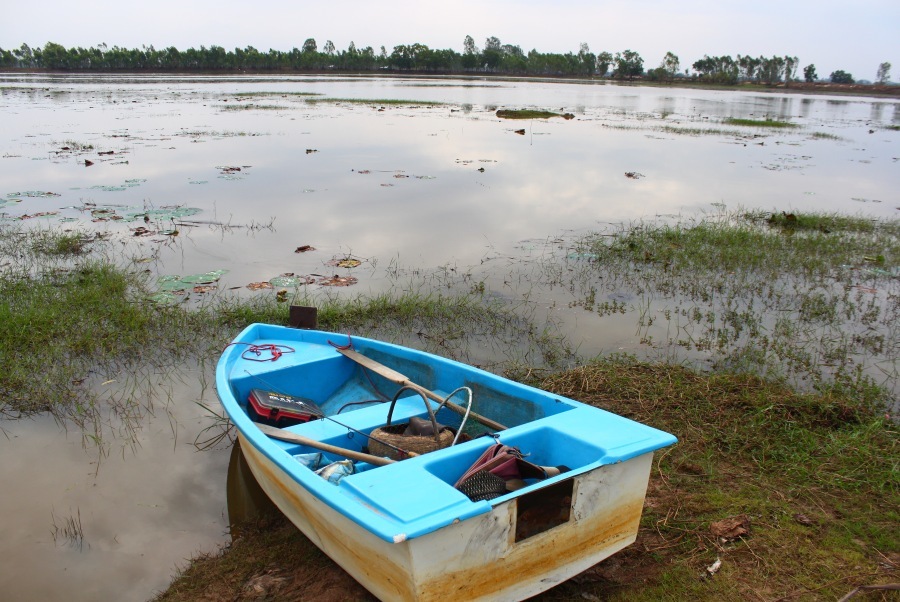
point(276, 350)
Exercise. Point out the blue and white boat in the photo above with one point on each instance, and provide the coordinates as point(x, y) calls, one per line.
point(396, 521)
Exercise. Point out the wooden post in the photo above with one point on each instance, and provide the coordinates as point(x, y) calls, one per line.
point(302, 317)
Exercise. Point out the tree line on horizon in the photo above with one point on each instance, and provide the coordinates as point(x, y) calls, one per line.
point(495, 58)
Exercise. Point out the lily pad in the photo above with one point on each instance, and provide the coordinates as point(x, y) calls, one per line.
point(170, 213)
point(32, 194)
point(180, 283)
point(338, 281)
point(291, 281)
point(39, 214)
point(119, 187)
point(346, 262)
point(205, 278)
point(164, 298)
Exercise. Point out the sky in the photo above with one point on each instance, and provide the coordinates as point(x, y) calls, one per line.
point(855, 37)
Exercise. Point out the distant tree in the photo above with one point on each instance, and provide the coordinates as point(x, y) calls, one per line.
point(492, 54)
point(492, 43)
point(718, 69)
point(884, 73)
point(329, 48)
point(55, 56)
point(469, 46)
point(587, 60)
point(841, 77)
point(809, 73)
point(24, 55)
point(670, 64)
point(604, 60)
point(771, 70)
point(628, 64)
point(310, 45)
point(748, 67)
point(470, 60)
point(790, 68)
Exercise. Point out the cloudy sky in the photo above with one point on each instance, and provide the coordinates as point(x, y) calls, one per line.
point(854, 36)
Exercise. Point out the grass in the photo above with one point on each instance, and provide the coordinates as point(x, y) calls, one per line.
point(812, 464)
point(815, 474)
point(764, 123)
point(280, 94)
point(825, 136)
point(69, 317)
point(529, 114)
point(251, 106)
point(807, 298)
point(377, 101)
point(76, 146)
point(70, 532)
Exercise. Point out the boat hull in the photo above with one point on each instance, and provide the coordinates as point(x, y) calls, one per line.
point(475, 559)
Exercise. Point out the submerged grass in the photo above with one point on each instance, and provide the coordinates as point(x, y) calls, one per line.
point(70, 317)
point(527, 114)
point(809, 298)
point(251, 106)
point(377, 101)
point(764, 123)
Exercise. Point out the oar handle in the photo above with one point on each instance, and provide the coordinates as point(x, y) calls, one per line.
point(283, 435)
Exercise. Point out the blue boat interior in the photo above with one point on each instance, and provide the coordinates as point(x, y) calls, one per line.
point(415, 496)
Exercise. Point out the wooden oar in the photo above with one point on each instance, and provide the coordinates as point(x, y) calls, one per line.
point(400, 379)
point(283, 435)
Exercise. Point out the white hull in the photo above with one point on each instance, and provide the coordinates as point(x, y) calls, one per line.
point(477, 558)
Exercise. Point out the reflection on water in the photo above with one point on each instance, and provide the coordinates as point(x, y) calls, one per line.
point(401, 187)
point(424, 185)
point(143, 510)
point(246, 499)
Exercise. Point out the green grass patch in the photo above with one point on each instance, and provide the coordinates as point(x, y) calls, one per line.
point(808, 298)
point(815, 475)
point(824, 136)
point(689, 131)
point(69, 315)
point(760, 123)
point(829, 241)
point(530, 114)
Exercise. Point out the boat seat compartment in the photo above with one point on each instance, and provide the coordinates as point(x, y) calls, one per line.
point(284, 379)
point(542, 445)
point(404, 492)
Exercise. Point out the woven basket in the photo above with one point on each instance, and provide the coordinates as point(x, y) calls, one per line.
point(393, 435)
point(389, 440)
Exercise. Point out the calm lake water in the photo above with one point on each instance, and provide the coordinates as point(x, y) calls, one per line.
point(404, 187)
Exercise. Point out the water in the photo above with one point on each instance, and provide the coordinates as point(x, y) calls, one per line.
point(405, 188)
